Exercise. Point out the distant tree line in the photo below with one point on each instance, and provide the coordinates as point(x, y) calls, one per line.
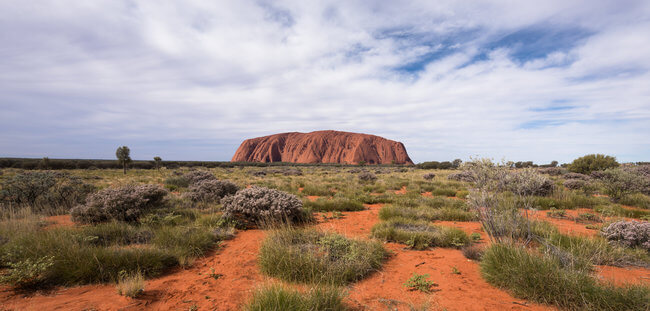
point(65, 164)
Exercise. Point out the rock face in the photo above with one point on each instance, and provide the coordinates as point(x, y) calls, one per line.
point(322, 147)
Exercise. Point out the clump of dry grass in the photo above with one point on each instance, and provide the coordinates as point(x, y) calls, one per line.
point(130, 285)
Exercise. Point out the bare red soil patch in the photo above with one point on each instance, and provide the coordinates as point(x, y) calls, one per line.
point(566, 225)
point(624, 276)
point(59, 221)
point(312, 197)
point(222, 281)
point(384, 290)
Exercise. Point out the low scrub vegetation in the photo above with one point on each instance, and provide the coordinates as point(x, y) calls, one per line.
point(419, 234)
point(210, 190)
point(44, 192)
point(279, 297)
point(629, 233)
point(426, 213)
point(255, 205)
point(126, 203)
point(330, 205)
point(310, 256)
point(592, 162)
point(545, 279)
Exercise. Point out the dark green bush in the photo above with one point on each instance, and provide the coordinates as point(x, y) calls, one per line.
point(592, 162)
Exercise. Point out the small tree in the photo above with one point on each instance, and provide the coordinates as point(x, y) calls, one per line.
point(45, 163)
point(592, 162)
point(456, 163)
point(158, 162)
point(123, 156)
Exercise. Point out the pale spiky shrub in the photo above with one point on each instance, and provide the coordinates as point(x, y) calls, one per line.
point(628, 233)
point(278, 297)
point(210, 190)
point(528, 182)
point(126, 203)
point(429, 176)
point(255, 205)
point(197, 176)
point(130, 285)
point(619, 182)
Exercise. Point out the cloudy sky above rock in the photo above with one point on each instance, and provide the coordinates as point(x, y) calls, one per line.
point(189, 80)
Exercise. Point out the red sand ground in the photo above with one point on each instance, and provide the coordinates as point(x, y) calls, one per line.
point(59, 221)
point(236, 261)
point(567, 225)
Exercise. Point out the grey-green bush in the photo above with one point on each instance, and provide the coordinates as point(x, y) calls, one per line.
point(257, 204)
point(126, 203)
point(48, 192)
point(210, 190)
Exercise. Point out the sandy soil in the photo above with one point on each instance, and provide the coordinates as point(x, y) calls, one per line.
point(235, 266)
point(235, 263)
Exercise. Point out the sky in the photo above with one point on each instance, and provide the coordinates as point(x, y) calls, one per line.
point(189, 80)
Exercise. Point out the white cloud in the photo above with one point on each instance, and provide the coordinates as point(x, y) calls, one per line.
point(155, 75)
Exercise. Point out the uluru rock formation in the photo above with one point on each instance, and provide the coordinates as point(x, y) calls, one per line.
point(322, 147)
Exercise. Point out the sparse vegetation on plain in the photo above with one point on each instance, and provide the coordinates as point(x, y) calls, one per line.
point(309, 256)
point(130, 229)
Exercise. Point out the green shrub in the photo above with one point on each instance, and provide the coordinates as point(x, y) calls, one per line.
point(319, 190)
point(592, 162)
point(337, 204)
point(419, 234)
point(176, 182)
point(617, 210)
point(44, 192)
point(27, 273)
point(419, 282)
point(544, 279)
point(77, 261)
point(597, 251)
point(314, 257)
point(126, 203)
point(636, 199)
point(281, 298)
point(185, 242)
point(425, 213)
